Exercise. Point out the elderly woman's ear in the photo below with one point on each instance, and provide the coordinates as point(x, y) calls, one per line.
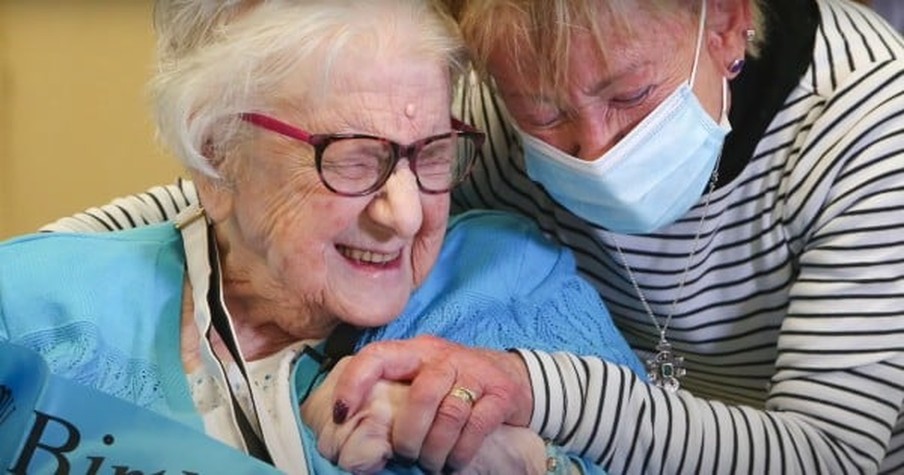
point(214, 192)
point(729, 27)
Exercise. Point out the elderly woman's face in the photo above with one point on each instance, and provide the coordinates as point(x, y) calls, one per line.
point(608, 98)
point(355, 258)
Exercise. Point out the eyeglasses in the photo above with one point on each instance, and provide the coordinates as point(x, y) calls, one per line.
point(358, 164)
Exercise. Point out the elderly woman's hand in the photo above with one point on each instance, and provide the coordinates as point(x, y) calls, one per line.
point(509, 450)
point(362, 443)
point(436, 425)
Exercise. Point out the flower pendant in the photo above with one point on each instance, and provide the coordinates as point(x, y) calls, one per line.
point(666, 367)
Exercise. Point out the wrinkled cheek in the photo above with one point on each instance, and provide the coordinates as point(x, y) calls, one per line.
point(299, 236)
point(437, 211)
point(424, 255)
point(298, 263)
point(427, 246)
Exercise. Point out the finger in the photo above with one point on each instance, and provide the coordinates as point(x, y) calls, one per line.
point(391, 360)
point(500, 398)
point(367, 449)
point(332, 437)
point(315, 410)
point(451, 417)
point(337, 441)
point(488, 413)
point(424, 398)
point(510, 450)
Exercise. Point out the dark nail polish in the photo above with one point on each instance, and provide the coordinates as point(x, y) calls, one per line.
point(340, 412)
point(448, 470)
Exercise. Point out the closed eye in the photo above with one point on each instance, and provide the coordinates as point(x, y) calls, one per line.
point(545, 117)
point(632, 99)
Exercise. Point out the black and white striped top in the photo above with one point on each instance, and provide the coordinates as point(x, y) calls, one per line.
point(156, 205)
point(791, 319)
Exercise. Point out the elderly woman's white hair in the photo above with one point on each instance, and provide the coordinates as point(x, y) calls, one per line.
point(218, 59)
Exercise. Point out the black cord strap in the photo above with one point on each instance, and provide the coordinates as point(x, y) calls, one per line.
point(253, 441)
point(339, 344)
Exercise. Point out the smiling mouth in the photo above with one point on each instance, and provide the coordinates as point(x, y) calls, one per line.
point(368, 257)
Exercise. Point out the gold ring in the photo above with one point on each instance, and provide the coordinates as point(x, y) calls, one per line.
point(464, 394)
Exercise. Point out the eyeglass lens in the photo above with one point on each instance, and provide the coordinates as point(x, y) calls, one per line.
point(359, 165)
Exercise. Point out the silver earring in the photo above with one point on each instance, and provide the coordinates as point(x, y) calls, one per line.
point(750, 34)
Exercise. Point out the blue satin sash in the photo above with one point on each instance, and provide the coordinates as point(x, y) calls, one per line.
point(49, 424)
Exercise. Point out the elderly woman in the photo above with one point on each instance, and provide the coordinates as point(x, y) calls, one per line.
point(319, 138)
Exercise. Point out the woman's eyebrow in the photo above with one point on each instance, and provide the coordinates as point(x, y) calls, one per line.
point(627, 70)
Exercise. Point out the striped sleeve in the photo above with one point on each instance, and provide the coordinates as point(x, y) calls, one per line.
point(626, 426)
point(791, 322)
point(156, 205)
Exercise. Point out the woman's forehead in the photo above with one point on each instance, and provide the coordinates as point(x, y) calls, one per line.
point(401, 94)
point(608, 53)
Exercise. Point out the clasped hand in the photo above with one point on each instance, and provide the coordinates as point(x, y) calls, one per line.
point(408, 401)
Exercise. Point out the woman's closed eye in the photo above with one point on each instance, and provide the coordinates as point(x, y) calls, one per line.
point(437, 158)
point(359, 166)
point(632, 98)
point(539, 114)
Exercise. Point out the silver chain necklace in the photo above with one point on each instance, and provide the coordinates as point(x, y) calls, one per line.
point(666, 367)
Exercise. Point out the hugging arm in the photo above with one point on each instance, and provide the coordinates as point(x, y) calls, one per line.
point(362, 443)
point(503, 286)
point(155, 205)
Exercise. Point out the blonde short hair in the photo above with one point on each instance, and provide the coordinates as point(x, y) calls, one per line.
point(220, 58)
point(540, 30)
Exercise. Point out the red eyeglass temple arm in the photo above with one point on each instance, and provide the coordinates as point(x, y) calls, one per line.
point(281, 127)
point(275, 125)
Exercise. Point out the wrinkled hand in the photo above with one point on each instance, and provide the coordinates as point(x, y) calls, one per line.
point(361, 444)
point(431, 426)
point(509, 450)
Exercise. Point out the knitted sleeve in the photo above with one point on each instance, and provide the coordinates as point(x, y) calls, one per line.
point(501, 284)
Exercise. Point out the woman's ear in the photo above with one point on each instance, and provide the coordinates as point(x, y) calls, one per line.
point(729, 31)
point(214, 192)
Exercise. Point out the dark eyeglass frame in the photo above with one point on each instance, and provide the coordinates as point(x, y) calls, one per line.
point(321, 141)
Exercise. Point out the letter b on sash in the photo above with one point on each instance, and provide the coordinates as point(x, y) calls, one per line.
point(35, 442)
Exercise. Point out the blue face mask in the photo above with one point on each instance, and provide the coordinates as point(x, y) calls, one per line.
point(650, 178)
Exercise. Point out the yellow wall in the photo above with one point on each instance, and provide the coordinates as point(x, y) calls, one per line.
point(75, 126)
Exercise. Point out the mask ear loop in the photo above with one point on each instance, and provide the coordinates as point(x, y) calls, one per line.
point(700, 29)
point(723, 121)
